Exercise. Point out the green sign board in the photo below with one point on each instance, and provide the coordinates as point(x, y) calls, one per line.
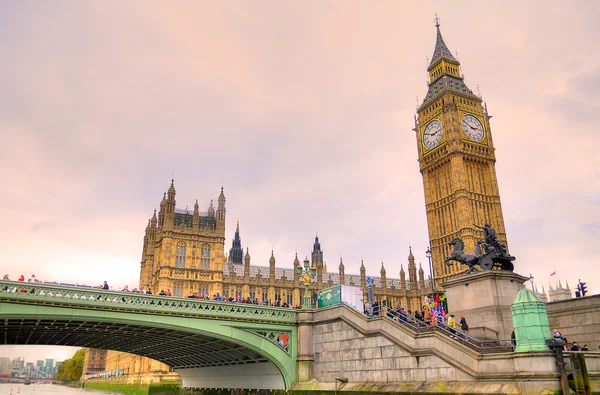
point(346, 294)
point(329, 296)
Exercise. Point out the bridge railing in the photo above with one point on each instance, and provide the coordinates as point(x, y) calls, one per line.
point(98, 298)
point(479, 345)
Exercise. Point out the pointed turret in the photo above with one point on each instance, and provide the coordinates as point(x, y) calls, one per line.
point(162, 211)
point(236, 253)
point(272, 268)
point(221, 212)
point(383, 282)
point(296, 264)
point(247, 266)
point(421, 277)
point(171, 192)
point(567, 284)
point(317, 261)
point(196, 216)
point(153, 220)
point(412, 270)
point(317, 253)
point(211, 210)
point(325, 267)
point(444, 73)
point(170, 206)
point(441, 51)
point(342, 275)
point(363, 279)
point(402, 279)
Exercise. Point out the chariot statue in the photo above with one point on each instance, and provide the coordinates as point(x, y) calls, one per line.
point(490, 253)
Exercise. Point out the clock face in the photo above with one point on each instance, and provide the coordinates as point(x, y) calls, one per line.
point(432, 134)
point(472, 127)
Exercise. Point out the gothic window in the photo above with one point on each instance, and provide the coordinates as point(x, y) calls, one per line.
point(180, 255)
point(277, 296)
point(203, 290)
point(238, 294)
point(205, 258)
point(252, 295)
point(178, 290)
point(226, 293)
point(289, 299)
point(265, 297)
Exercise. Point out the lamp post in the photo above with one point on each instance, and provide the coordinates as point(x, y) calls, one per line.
point(428, 255)
point(309, 274)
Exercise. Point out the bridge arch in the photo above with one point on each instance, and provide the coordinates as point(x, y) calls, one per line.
point(205, 342)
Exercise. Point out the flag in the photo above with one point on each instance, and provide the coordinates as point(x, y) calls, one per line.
point(552, 274)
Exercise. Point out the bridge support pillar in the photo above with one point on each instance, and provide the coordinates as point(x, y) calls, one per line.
point(305, 365)
point(485, 298)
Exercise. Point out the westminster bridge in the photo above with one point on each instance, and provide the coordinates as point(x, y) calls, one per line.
point(215, 344)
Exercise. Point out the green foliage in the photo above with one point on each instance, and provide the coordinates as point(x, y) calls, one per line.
point(71, 369)
point(121, 388)
point(165, 389)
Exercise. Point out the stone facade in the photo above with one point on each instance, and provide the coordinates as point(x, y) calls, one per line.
point(457, 161)
point(381, 355)
point(578, 319)
point(485, 298)
point(341, 350)
point(559, 292)
point(184, 253)
point(98, 361)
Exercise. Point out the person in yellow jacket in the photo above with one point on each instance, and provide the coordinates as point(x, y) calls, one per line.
point(426, 315)
point(452, 325)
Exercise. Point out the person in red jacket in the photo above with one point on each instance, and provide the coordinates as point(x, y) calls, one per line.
point(22, 278)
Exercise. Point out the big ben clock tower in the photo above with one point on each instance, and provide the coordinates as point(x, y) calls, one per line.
point(457, 161)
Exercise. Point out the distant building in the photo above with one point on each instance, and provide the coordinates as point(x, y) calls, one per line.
point(95, 360)
point(540, 295)
point(49, 366)
point(560, 293)
point(5, 366)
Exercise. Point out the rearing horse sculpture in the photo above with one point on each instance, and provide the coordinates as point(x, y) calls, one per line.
point(459, 255)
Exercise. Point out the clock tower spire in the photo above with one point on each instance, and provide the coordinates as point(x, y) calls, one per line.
point(456, 160)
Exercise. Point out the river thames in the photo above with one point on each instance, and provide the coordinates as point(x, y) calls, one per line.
point(46, 389)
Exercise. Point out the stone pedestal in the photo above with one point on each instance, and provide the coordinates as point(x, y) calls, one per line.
point(485, 298)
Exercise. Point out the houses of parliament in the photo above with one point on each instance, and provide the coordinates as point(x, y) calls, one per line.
point(184, 254)
point(184, 250)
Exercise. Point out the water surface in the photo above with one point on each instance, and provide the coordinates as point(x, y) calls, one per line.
point(47, 389)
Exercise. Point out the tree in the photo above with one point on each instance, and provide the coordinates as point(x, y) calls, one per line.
point(71, 369)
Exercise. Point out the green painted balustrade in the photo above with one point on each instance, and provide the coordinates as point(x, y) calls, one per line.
point(92, 298)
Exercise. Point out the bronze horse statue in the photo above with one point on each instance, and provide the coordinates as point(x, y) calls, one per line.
point(459, 255)
point(488, 261)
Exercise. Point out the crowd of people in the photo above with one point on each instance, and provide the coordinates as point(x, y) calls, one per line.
point(417, 318)
point(574, 346)
point(104, 286)
point(421, 318)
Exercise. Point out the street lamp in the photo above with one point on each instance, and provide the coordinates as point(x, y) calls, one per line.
point(309, 274)
point(428, 255)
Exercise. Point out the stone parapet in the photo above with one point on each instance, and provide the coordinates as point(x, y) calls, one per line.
point(577, 319)
point(383, 355)
point(485, 298)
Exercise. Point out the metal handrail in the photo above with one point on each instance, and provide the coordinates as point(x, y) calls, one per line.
point(420, 326)
point(93, 297)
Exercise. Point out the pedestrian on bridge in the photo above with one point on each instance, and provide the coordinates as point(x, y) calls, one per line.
point(452, 325)
point(463, 324)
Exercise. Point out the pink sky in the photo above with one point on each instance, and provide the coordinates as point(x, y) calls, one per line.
point(303, 110)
